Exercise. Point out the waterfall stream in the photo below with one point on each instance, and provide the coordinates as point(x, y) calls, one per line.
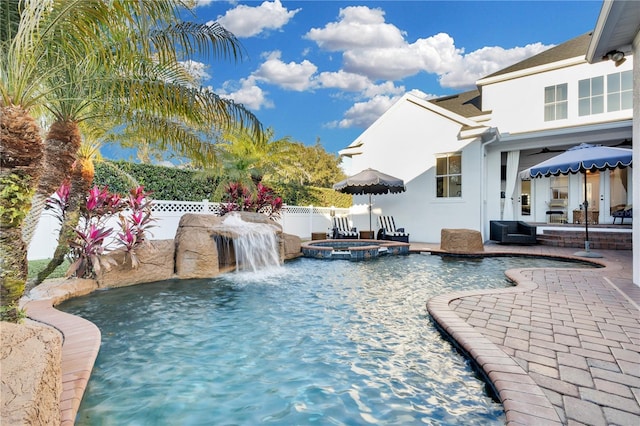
point(255, 245)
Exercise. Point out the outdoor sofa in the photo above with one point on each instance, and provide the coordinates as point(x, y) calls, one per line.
point(512, 232)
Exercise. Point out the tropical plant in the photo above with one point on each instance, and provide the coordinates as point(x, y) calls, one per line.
point(245, 159)
point(240, 198)
point(124, 56)
point(89, 242)
point(135, 227)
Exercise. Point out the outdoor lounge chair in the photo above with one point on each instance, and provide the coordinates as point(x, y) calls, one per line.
point(342, 229)
point(625, 213)
point(388, 230)
point(512, 232)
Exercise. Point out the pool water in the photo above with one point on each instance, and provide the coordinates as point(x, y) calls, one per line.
point(327, 343)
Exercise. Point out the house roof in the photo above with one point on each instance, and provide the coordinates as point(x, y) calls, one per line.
point(466, 104)
point(570, 49)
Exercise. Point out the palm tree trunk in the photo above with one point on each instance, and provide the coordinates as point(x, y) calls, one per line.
point(81, 180)
point(20, 155)
point(60, 152)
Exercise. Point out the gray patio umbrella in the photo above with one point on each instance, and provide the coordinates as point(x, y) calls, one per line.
point(580, 159)
point(370, 182)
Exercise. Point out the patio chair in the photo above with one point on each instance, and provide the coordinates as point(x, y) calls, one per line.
point(622, 214)
point(512, 232)
point(342, 229)
point(388, 230)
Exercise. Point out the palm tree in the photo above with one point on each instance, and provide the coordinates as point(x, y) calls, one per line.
point(43, 50)
point(26, 34)
point(247, 160)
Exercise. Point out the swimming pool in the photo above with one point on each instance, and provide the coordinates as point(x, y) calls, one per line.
point(312, 342)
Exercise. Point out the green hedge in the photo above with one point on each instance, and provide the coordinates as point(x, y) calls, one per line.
point(165, 183)
point(170, 183)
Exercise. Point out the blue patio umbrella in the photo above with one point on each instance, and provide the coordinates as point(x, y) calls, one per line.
point(581, 159)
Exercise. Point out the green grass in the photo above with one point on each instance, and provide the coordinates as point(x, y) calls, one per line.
point(36, 266)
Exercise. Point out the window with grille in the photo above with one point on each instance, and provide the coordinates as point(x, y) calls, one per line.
point(449, 176)
point(619, 91)
point(555, 102)
point(591, 96)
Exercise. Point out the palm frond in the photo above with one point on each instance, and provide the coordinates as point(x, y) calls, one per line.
point(189, 37)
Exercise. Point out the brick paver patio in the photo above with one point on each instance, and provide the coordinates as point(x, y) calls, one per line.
point(563, 347)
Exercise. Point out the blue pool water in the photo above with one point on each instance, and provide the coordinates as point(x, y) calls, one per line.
point(327, 343)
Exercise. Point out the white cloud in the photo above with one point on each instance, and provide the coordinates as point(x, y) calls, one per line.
point(363, 114)
point(197, 70)
point(245, 92)
point(290, 76)
point(247, 21)
point(378, 50)
point(485, 61)
point(201, 3)
point(358, 27)
point(344, 81)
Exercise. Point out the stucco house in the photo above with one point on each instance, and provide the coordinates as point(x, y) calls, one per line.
point(618, 29)
point(460, 156)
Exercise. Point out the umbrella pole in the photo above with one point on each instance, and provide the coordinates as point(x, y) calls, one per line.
point(587, 249)
point(369, 212)
point(586, 215)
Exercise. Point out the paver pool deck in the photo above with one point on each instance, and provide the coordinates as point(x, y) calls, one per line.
point(561, 347)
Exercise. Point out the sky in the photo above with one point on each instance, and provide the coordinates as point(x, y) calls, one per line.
point(326, 70)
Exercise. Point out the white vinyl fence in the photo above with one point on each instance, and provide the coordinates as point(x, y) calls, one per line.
point(295, 220)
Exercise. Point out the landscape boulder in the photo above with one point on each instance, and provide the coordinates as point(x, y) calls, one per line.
point(461, 241)
point(156, 260)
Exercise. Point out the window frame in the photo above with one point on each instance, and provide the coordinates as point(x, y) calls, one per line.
point(592, 96)
point(444, 180)
point(623, 95)
point(558, 107)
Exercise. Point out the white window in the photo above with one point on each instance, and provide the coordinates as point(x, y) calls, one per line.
point(555, 102)
point(449, 176)
point(591, 96)
point(619, 91)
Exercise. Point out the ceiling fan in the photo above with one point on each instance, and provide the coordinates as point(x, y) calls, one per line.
point(626, 142)
point(546, 150)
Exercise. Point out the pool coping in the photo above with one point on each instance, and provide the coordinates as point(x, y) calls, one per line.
point(523, 400)
point(363, 251)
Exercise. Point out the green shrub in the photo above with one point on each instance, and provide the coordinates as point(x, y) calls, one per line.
point(165, 183)
point(173, 184)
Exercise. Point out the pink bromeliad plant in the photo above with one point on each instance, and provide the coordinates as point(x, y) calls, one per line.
point(239, 198)
point(59, 202)
point(92, 232)
point(93, 236)
point(134, 228)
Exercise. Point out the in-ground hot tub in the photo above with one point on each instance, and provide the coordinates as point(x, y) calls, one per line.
point(353, 249)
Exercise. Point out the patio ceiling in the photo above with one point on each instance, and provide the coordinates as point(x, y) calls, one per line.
point(617, 25)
